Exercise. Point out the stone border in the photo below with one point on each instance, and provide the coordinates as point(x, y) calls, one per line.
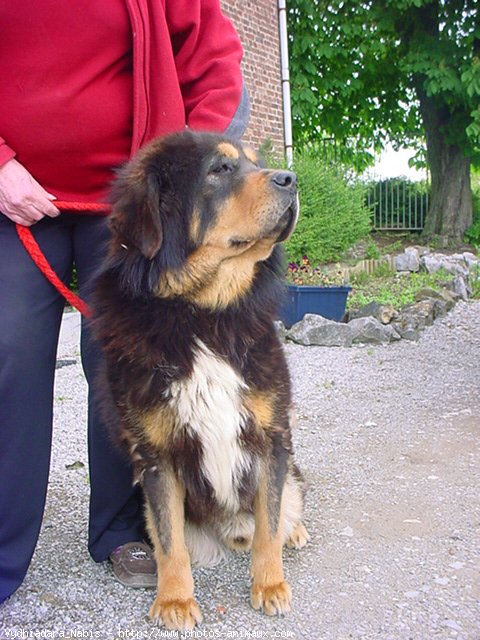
point(381, 324)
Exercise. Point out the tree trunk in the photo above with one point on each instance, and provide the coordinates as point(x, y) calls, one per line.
point(450, 207)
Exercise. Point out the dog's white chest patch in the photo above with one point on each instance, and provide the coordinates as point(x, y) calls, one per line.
point(208, 404)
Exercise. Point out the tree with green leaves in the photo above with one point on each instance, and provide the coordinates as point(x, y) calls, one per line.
point(408, 71)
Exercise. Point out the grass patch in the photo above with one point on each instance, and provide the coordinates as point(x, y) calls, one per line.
point(388, 287)
point(394, 247)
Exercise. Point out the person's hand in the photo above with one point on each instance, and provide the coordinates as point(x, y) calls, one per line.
point(22, 199)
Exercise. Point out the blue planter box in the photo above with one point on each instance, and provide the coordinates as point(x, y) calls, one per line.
point(328, 302)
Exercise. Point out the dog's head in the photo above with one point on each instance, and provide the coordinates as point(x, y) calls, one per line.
point(200, 213)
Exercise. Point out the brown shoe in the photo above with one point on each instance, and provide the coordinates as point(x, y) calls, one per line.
point(134, 565)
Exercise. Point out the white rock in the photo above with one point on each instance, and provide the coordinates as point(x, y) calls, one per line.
point(408, 261)
point(316, 330)
point(471, 259)
point(431, 263)
point(370, 331)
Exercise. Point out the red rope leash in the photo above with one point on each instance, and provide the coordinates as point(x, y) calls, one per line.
point(31, 245)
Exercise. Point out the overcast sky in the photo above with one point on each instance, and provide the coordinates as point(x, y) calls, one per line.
point(392, 164)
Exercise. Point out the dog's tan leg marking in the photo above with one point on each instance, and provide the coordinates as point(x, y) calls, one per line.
point(298, 538)
point(174, 605)
point(270, 591)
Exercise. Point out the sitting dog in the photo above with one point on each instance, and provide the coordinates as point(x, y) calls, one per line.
point(184, 310)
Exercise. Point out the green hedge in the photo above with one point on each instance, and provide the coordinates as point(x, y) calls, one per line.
point(333, 215)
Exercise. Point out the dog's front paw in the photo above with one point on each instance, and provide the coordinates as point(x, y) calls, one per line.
point(298, 538)
point(273, 599)
point(179, 615)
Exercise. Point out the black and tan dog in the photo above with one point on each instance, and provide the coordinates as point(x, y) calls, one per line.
point(185, 305)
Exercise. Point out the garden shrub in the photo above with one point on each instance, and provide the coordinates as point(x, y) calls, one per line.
point(372, 252)
point(332, 212)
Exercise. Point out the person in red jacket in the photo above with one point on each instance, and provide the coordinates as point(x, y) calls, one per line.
point(83, 86)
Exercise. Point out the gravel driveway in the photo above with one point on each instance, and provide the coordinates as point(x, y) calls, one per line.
point(388, 439)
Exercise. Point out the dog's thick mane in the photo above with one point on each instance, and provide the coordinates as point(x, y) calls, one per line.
point(138, 277)
point(174, 321)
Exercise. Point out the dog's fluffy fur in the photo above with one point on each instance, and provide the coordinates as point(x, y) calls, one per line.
point(184, 310)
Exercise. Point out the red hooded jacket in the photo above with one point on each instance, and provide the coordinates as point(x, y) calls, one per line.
point(182, 69)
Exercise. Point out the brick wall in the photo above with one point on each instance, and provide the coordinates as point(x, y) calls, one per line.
point(256, 22)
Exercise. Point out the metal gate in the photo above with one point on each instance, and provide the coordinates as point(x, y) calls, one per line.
point(398, 204)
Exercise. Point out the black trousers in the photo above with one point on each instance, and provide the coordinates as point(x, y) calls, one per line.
point(30, 317)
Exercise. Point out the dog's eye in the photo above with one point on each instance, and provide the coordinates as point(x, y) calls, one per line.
point(238, 243)
point(224, 167)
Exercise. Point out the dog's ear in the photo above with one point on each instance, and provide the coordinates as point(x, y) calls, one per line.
point(136, 217)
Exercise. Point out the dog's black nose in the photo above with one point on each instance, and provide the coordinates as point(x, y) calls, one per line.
point(285, 180)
